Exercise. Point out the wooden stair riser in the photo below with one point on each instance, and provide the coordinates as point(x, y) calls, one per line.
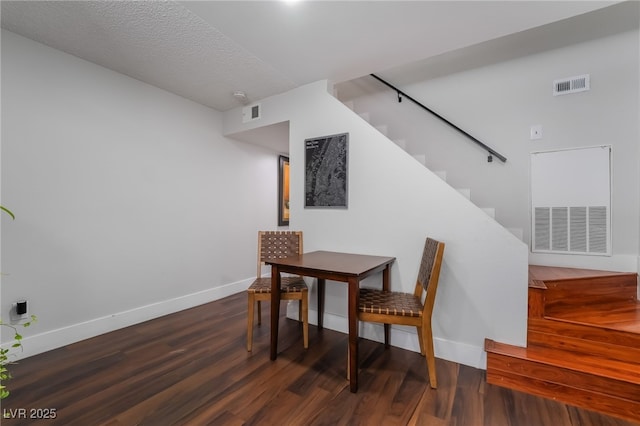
point(583, 332)
point(536, 303)
point(586, 291)
point(528, 369)
point(571, 344)
point(618, 407)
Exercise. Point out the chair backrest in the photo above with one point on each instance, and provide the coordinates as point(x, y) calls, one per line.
point(278, 244)
point(429, 273)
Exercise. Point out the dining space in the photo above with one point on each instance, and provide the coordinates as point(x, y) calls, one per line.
point(283, 252)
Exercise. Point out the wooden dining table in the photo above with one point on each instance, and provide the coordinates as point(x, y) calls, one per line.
point(328, 265)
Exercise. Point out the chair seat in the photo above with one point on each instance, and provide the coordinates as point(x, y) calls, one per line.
point(389, 303)
point(287, 285)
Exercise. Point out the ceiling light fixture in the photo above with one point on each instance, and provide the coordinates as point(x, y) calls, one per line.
point(241, 97)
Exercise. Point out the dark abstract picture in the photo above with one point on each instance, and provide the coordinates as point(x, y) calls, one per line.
point(326, 171)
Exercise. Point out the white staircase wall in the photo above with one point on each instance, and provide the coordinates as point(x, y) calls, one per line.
point(394, 204)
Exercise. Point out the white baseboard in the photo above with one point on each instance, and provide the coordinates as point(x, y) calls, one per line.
point(618, 263)
point(402, 337)
point(54, 339)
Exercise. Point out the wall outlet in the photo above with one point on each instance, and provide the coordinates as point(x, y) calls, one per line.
point(536, 132)
point(18, 310)
point(21, 307)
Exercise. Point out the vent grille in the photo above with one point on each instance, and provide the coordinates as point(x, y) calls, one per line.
point(255, 112)
point(252, 112)
point(571, 229)
point(597, 229)
point(542, 228)
point(559, 229)
point(578, 229)
point(576, 84)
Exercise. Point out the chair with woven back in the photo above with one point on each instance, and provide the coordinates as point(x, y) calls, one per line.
point(408, 309)
point(276, 245)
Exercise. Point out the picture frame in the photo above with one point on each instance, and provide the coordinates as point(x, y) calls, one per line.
point(283, 190)
point(327, 171)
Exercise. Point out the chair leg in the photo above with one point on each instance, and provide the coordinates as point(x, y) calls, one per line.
point(427, 337)
point(386, 336)
point(348, 363)
point(420, 340)
point(304, 303)
point(259, 313)
point(251, 302)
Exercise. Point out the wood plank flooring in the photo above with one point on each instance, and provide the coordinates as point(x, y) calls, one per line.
point(192, 368)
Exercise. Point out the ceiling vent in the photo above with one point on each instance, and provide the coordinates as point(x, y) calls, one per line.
point(576, 84)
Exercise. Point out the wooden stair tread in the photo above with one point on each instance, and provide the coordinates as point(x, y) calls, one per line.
point(574, 361)
point(553, 273)
point(591, 332)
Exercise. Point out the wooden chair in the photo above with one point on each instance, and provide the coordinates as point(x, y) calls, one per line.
point(408, 309)
point(275, 245)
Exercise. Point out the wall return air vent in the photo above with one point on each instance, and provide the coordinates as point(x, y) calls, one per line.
point(571, 201)
point(565, 86)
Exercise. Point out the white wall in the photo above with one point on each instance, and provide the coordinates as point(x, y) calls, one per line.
point(498, 103)
point(394, 204)
point(129, 202)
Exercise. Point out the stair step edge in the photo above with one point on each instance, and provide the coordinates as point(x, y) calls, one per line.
point(382, 128)
point(402, 143)
point(623, 353)
point(604, 403)
point(365, 116)
point(620, 371)
point(598, 332)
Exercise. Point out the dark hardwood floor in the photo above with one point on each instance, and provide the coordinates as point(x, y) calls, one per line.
point(192, 368)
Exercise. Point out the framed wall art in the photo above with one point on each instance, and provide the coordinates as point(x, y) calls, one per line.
point(283, 191)
point(326, 171)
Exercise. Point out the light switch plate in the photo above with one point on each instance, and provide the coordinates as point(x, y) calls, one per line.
point(536, 132)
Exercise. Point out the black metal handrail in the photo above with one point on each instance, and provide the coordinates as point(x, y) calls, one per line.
point(401, 94)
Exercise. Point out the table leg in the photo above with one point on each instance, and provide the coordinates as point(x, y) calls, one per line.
point(386, 278)
point(275, 309)
point(354, 295)
point(385, 287)
point(321, 283)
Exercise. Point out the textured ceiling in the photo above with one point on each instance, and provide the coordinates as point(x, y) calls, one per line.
point(160, 43)
point(206, 50)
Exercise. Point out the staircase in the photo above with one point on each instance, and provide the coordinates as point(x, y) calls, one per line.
point(583, 342)
point(421, 158)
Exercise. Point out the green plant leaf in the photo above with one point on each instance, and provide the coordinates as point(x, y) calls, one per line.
point(7, 211)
